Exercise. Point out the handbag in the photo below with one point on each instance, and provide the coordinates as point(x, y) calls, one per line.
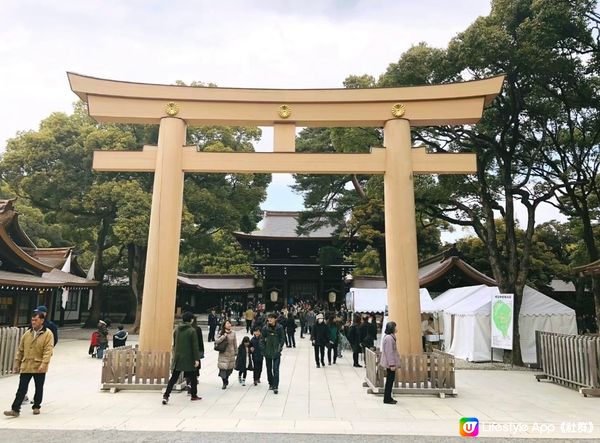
point(221, 346)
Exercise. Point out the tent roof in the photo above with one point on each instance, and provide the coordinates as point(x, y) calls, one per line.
point(536, 303)
point(454, 295)
point(477, 302)
point(375, 299)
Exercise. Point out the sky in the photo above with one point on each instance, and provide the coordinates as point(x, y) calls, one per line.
point(267, 43)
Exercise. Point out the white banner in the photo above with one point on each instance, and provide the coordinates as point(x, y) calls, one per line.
point(502, 321)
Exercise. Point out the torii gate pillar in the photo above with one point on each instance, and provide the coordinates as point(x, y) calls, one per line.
point(160, 281)
point(401, 237)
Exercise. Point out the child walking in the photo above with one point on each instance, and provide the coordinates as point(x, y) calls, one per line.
point(242, 360)
point(256, 355)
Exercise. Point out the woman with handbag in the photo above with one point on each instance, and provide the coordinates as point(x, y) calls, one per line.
point(227, 352)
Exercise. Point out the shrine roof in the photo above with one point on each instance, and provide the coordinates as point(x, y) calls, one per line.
point(284, 225)
point(217, 282)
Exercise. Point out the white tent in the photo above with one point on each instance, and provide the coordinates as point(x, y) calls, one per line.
point(542, 313)
point(470, 327)
point(467, 322)
point(375, 300)
point(449, 298)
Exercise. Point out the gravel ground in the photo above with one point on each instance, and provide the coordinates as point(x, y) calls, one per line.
point(56, 436)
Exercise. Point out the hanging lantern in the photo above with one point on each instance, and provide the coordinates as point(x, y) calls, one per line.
point(274, 295)
point(332, 296)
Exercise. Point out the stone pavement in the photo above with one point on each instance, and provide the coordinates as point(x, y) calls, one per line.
point(329, 400)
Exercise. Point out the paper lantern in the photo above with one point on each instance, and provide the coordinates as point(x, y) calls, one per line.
point(274, 295)
point(332, 296)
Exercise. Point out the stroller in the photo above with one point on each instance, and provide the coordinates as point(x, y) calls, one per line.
point(94, 342)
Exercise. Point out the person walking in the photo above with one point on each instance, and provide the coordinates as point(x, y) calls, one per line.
point(242, 361)
point(290, 326)
point(302, 317)
point(32, 360)
point(256, 355)
point(186, 357)
point(226, 360)
point(390, 361)
point(198, 330)
point(333, 338)
point(249, 317)
point(354, 339)
point(319, 336)
point(311, 318)
point(271, 345)
point(102, 338)
point(212, 324)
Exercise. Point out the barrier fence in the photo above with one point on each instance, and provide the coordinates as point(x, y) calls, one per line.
point(427, 373)
point(129, 368)
point(569, 360)
point(9, 344)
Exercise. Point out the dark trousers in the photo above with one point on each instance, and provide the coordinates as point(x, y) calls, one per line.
point(389, 384)
point(190, 376)
point(291, 338)
point(248, 325)
point(211, 333)
point(332, 350)
point(24, 380)
point(302, 329)
point(242, 374)
point(258, 365)
point(273, 371)
point(320, 350)
point(355, 357)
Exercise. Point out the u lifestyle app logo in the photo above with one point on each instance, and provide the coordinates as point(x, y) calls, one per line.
point(468, 427)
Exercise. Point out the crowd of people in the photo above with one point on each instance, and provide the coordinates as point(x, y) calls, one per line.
point(330, 331)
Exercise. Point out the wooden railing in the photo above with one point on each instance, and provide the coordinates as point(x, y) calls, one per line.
point(428, 373)
point(569, 360)
point(129, 368)
point(9, 344)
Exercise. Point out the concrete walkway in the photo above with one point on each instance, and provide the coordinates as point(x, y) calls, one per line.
point(328, 400)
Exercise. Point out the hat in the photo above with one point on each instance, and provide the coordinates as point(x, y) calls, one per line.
point(102, 321)
point(320, 317)
point(41, 308)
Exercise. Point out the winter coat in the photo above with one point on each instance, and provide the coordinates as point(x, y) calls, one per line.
point(49, 324)
point(320, 334)
point(35, 350)
point(311, 319)
point(334, 333)
point(389, 352)
point(120, 338)
point(290, 324)
point(256, 351)
point(185, 348)
point(242, 359)
point(272, 340)
point(226, 358)
point(212, 320)
point(366, 339)
point(281, 320)
point(354, 338)
point(103, 338)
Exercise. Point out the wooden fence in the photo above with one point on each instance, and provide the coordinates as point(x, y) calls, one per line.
point(428, 373)
point(9, 344)
point(569, 360)
point(129, 368)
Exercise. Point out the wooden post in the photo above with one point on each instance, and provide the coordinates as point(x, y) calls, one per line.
point(401, 237)
point(162, 260)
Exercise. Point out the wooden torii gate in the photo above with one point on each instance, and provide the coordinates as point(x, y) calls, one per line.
point(174, 107)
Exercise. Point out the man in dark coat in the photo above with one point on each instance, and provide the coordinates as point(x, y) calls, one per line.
point(290, 329)
point(271, 345)
point(319, 336)
point(354, 339)
point(282, 321)
point(257, 357)
point(213, 321)
point(186, 357)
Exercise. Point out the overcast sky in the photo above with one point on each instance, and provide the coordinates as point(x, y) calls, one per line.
point(275, 43)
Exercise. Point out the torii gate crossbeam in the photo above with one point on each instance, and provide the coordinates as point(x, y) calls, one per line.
point(173, 107)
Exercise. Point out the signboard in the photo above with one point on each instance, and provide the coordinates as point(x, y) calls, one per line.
point(502, 320)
